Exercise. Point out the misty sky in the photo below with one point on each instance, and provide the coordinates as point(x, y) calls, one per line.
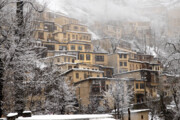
point(105, 10)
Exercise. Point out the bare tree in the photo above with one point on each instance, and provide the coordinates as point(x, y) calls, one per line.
point(121, 96)
point(16, 51)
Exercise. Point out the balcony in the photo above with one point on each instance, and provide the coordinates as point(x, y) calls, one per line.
point(139, 91)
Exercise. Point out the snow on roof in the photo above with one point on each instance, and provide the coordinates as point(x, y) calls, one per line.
point(95, 78)
point(64, 63)
point(12, 114)
point(81, 69)
point(104, 66)
point(27, 112)
point(139, 110)
point(69, 117)
point(134, 110)
point(136, 71)
point(90, 70)
point(84, 42)
point(77, 32)
point(102, 51)
point(59, 56)
point(137, 61)
point(122, 52)
point(169, 75)
point(77, 24)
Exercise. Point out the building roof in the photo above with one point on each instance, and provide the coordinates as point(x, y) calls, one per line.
point(77, 24)
point(122, 52)
point(78, 32)
point(105, 66)
point(81, 69)
point(135, 71)
point(92, 78)
point(137, 61)
point(84, 42)
point(66, 63)
point(59, 56)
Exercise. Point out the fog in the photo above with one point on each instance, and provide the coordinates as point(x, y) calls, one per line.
point(106, 10)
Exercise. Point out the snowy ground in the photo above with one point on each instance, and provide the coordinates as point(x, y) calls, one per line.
point(155, 117)
point(69, 117)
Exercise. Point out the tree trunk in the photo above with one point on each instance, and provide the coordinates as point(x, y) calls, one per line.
point(1, 86)
point(129, 114)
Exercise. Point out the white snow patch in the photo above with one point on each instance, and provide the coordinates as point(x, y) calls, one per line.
point(94, 36)
point(154, 118)
point(68, 117)
point(12, 114)
point(41, 65)
point(27, 112)
point(151, 51)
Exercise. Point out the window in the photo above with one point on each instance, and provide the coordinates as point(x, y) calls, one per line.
point(108, 73)
point(121, 63)
point(141, 85)
point(58, 59)
point(68, 36)
point(49, 27)
point(41, 35)
point(84, 37)
point(75, 28)
point(85, 76)
point(137, 86)
point(72, 60)
point(77, 75)
point(81, 56)
point(99, 58)
point(125, 56)
point(55, 27)
point(69, 67)
point(79, 47)
point(103, 84)
point(107, 87)
point(125, 63)
point(87, 47)
point(62, 48)
point(120, 56)
point(82, 29)
point(68, 59)
point(141, 116)
point(73, 36)
point(97, 75)
point(50, 47)
point(64, 35)
point(64, 59)
point(72, 47)
point(88, 57)
point(95, 87)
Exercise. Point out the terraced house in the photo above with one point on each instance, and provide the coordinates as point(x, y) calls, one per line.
point(70, 47)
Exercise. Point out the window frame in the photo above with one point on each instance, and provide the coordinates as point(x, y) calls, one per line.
point(81, 56)
point(77, 75)
point(73, 46)
point(88, 57)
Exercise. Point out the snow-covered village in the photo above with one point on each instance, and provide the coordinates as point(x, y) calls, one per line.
point(89, 59)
